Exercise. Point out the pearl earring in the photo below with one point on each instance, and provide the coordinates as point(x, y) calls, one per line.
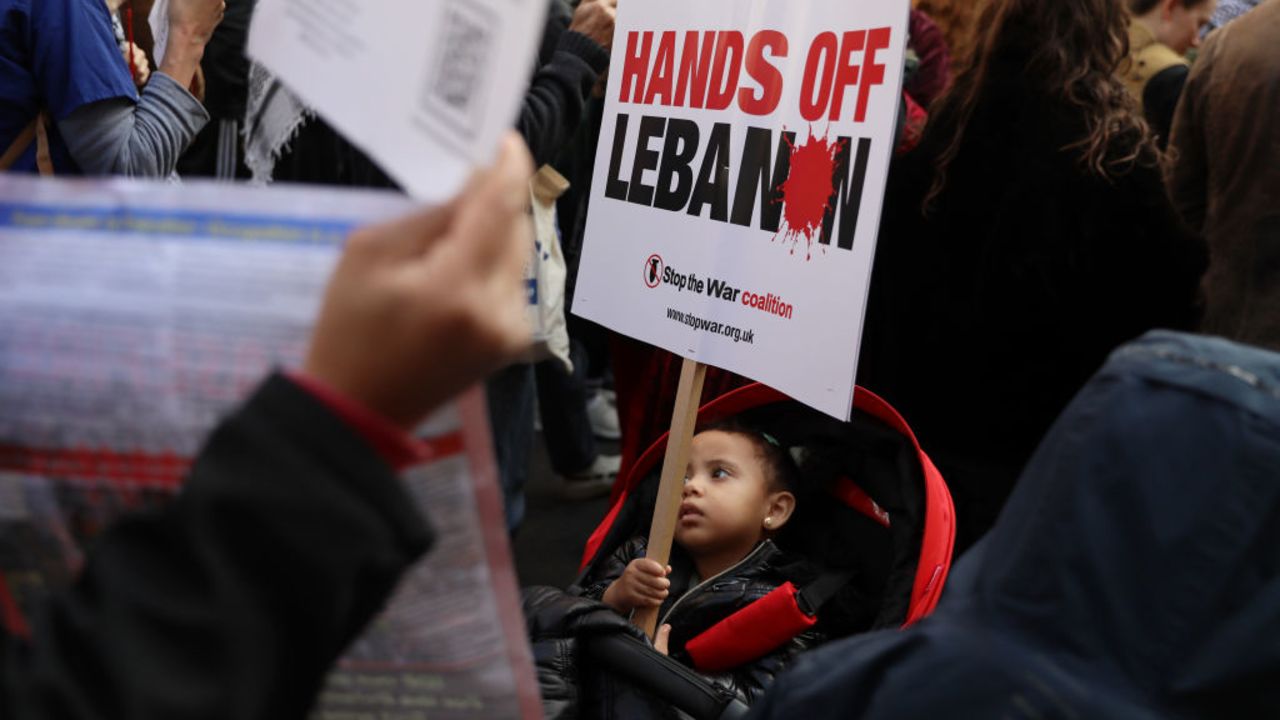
point(768, 522)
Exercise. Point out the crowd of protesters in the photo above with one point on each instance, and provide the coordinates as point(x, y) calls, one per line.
point(1069, 176)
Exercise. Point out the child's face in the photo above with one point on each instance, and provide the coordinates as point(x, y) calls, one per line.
point(726, 497)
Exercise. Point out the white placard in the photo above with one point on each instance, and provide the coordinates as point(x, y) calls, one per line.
point(741, 230)
point(426, 88)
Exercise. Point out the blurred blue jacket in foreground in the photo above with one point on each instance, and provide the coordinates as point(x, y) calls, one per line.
point(1134, 572)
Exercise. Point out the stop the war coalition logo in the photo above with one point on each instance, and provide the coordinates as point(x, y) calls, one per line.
point(656, 273)
point(810, 188)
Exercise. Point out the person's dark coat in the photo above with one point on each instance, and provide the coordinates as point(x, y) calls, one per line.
point(235, 600)
point(569, 64)
point(1134, 573)
point(692, 608)
point(988, 313)
point(558, 621)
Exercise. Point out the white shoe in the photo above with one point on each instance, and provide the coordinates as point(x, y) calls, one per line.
point(594, 481)
point(603, 416)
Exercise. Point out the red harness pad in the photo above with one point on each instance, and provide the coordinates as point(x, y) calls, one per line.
point(755, 630)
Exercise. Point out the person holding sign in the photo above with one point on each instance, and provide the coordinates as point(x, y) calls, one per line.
point(738, 494)
point(68, 104)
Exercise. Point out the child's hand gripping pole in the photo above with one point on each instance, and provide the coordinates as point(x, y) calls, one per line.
point(670, 489)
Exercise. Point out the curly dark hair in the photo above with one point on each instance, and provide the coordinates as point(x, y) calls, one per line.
point(781, 470)
point(1072, 49)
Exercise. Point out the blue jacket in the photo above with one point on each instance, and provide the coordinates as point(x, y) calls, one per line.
point(1134, 572)
point(56, 56)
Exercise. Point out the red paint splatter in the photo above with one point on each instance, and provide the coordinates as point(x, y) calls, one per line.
point(807, 191)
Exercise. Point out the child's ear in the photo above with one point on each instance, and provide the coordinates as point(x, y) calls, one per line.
point(781, 505)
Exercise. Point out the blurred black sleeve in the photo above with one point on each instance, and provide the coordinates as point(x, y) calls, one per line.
point(234, 600)
point(568, 66)
point(1160, 100)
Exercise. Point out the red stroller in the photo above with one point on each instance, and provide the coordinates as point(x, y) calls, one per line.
point(885, 544)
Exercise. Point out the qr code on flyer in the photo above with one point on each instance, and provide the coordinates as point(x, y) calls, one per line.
point(457, 84)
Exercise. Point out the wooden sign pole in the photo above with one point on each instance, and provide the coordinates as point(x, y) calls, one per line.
point(671, 487)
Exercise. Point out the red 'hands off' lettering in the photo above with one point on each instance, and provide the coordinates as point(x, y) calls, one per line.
point(710, 67)
point(763, 72)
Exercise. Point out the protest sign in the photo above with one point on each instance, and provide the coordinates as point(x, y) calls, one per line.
point(425, 88)
point(133, 317)
point(738, 183)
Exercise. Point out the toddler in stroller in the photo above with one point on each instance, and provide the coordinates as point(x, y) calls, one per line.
point(739, 492)
point(835, 557)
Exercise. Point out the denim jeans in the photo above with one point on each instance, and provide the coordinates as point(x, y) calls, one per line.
point(510, 396)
